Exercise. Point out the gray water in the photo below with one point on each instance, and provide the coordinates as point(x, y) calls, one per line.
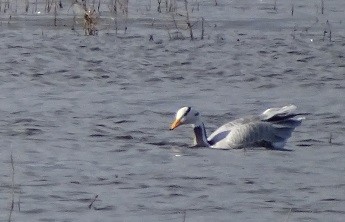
point(89, 115)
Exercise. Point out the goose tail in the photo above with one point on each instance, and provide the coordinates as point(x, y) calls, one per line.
point(283, 122)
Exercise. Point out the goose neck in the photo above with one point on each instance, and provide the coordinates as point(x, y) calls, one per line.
point(200, 137)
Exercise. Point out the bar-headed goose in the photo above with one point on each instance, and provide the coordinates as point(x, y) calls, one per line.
point(271, 129)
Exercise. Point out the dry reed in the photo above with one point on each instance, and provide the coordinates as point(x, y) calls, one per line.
point(90, 21)
point(12, 190)
point(184, 215)
point(189, 25)
point(93, 200)
point(288, 216)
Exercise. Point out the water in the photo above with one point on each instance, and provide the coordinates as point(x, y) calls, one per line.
point(86, 116)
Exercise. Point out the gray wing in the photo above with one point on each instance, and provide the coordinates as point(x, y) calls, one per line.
point(272, 128)
point(222, 132)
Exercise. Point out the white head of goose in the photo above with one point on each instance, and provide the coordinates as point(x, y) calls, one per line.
point(271, 129)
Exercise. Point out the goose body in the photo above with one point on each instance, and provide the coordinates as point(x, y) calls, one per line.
point(271, 129)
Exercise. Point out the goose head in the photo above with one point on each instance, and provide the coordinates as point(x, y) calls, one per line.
point(185, 115)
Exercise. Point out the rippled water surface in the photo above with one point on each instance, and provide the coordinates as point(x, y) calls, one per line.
point(89, 115)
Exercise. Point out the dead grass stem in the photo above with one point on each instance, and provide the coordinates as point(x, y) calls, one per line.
point(12, 189)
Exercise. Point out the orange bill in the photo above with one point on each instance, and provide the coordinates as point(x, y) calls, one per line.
point(175, 124)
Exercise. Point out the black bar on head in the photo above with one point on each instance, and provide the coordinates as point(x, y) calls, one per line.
point(188, 110)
